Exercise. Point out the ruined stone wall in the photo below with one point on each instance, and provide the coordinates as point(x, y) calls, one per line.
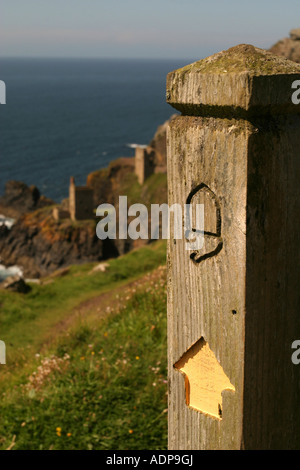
point(80, 202)
point(144, 163)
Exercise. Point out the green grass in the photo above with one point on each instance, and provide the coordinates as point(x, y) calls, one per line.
point(101, 384)
point(25, 318)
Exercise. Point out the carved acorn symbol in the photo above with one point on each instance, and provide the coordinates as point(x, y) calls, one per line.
point(211, 231)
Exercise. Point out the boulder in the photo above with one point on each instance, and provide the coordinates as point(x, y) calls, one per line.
point(102, 267)
point(15, 284)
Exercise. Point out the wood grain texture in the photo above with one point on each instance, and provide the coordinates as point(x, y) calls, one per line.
point(244, 301)
point(204, 379)
point(272, 382)
point(240, 291)
point(202, 296)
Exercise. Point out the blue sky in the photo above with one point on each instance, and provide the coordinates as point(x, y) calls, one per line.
point(140, 28)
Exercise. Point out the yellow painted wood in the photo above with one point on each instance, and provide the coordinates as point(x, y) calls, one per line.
point(204, 379)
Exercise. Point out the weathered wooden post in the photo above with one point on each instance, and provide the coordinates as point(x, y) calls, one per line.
point(233, 306)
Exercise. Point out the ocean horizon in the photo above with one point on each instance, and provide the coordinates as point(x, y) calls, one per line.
point(69, 117)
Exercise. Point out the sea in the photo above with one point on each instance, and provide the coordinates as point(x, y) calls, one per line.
point(69, 117)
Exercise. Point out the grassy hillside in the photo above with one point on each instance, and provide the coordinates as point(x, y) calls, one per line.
point(119, 179)
point(86, 358)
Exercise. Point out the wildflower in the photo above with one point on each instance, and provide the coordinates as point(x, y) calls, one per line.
point(93, 353)
point(130, 431)
point(82, 358)
point(137, 358)
point(69, 434)
point(47, 367)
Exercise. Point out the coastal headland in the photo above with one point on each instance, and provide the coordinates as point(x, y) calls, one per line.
point(46, 236)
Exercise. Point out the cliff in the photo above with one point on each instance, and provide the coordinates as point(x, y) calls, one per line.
point(20, 198)
point(40, 244)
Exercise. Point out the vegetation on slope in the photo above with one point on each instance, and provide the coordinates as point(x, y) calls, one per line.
point(86, 362)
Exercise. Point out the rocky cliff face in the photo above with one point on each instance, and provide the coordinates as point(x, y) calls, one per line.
point(288, 47)
point(19, 199)
point(41, 245)
point(107, 182)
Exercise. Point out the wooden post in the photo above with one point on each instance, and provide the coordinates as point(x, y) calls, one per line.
point(233, 306)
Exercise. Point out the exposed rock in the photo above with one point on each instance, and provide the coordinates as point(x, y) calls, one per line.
point(41, 245)
point(15, 284)
point(20, 198)
point(288, 47)
point(106, 182)
point(44, 240)
point(102, 267)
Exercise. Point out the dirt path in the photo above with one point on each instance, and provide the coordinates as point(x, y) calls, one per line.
point(99, 307)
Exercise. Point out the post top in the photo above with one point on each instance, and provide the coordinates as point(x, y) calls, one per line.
point(243, 58)
point(242, 78)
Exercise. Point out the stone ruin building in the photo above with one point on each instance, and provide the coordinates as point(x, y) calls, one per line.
point(81, 202)
point(144, 163)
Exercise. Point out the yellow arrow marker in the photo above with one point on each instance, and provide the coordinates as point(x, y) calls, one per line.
point(204, 379)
